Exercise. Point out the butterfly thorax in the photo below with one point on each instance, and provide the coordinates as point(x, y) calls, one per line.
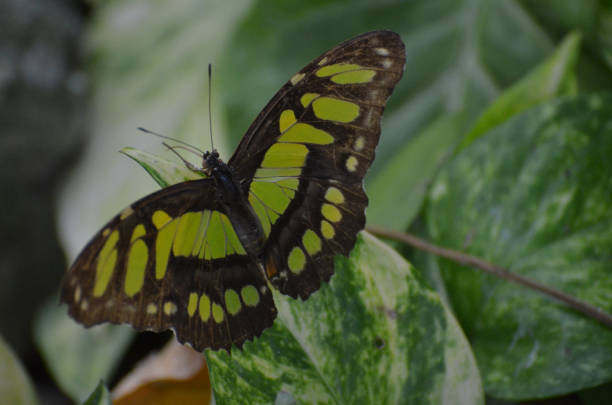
point(235, 203)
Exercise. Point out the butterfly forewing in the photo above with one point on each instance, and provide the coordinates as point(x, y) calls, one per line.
point(306, 154)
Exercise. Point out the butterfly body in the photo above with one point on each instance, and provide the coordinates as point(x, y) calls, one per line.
point(235, 203)
point(199, 257)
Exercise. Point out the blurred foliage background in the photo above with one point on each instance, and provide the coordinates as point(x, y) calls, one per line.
point(503, 108)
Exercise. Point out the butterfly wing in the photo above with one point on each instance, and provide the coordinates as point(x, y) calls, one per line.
point(172, 261)
point(304, 158)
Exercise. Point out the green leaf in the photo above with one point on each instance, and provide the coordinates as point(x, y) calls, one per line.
point(15, 386)
point(100, 396)
point(398, 190)
point(374, 334)
point(552, 78)
point(77, 357)
point(533, 196)
point(163, 171)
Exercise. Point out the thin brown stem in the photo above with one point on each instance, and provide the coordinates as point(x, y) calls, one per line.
point(471, 261)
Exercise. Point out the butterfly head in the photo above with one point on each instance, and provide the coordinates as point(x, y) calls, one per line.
point(211, 162)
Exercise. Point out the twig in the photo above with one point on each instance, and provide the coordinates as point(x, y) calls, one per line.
point(471, 261)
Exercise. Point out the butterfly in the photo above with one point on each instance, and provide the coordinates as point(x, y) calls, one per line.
point(200, 256)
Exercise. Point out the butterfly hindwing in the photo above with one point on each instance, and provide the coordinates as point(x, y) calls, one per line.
point(305, 156)
point(228, 303)
point(172, 261)
point(328, 215)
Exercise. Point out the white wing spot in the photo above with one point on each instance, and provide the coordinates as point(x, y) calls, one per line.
point(387, 63)
point(370, 119)
point(77, 293)
point(351, 163)
point(374, 94)
point(151, 309)
point(359, 143)
point(170, 308)
point(126, 213)
point(382, 51)
point(296, 78)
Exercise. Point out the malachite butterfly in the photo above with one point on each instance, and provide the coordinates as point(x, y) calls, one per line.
point(200, 257)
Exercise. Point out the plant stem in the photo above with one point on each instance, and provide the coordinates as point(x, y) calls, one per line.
point(471, 261)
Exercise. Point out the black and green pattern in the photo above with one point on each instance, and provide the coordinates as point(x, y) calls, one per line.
point(199, 256)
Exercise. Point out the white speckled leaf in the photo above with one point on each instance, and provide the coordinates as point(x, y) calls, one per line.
point(374, 335)
point(533, 195)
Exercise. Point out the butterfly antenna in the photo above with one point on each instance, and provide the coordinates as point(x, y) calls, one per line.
point(210, 105)
point(193, 149)
point(174, 147)
point(189, 165)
